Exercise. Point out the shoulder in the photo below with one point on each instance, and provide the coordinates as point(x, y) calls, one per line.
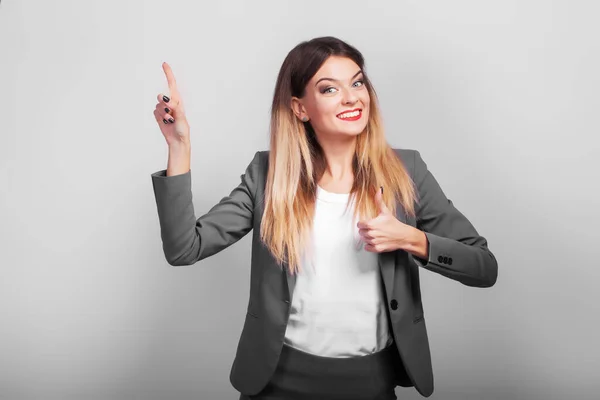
point(408, 157)
point(263, 157)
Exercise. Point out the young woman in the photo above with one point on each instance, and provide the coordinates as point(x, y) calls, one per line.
point(341, 224)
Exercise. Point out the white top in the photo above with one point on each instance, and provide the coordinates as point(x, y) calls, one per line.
point(338, 307)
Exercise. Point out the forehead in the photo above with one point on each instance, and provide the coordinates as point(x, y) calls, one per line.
point(340, 68)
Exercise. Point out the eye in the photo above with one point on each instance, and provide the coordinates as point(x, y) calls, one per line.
point(327, 90)
point(361, 83)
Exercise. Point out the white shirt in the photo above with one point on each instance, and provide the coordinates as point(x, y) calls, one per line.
point(338, 308)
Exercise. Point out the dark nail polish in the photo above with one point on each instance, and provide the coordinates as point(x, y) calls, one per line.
point(166, 99)
point(171, 120)
point(381, 189)
point(164, 120)
point(167, 109)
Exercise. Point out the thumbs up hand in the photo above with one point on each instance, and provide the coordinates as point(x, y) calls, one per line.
point(384, 232)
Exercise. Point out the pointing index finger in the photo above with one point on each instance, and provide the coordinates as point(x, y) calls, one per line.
point(170, 79)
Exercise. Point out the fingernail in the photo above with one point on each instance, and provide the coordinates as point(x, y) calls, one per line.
point(171, 120)
point(166, 99)
point(167, 109)
point(164, 120)
point(381, 189)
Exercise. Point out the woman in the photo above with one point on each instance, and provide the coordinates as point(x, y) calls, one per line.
point(341, 224)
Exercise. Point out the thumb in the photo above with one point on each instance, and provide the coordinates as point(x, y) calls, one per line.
point(379, 199)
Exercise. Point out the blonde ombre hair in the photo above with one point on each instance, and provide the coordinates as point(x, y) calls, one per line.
point(297, 162)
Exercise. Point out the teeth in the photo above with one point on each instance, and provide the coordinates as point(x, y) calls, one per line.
point(350, 115)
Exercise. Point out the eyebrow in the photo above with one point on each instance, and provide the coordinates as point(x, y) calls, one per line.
point(335, 80)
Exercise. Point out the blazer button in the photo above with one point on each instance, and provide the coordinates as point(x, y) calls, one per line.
point(394, 304)
point(440, 259)
point(445, 260)
point(449, 260)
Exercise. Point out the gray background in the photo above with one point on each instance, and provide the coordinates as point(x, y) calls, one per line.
point(500, 98)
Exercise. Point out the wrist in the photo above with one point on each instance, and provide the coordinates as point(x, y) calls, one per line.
point(179, 147)
point(179, 159)
point(417, 244)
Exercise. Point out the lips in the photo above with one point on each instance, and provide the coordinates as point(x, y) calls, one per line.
point(353, 118)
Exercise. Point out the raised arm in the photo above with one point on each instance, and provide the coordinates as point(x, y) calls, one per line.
point(186, 239)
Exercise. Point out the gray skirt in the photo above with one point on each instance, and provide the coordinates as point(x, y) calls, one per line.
point(300, 375)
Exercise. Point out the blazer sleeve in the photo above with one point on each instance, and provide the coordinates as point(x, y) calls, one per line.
point(456, 250)
point(186, 239)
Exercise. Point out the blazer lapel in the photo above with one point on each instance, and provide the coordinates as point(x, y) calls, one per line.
point(387, 267)
point(291, 280)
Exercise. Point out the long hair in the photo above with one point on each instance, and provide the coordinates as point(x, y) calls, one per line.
point(297, 161)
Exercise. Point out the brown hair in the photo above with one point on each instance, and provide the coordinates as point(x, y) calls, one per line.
point(297, 162)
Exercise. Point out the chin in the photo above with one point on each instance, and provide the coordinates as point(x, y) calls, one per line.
point(345, 130)
point(353, 131)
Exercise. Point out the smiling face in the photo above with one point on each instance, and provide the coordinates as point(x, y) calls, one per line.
point(336, 100)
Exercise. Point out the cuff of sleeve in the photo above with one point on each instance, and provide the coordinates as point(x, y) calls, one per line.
point(439, 251)
point(168, 187)
point(163, 174)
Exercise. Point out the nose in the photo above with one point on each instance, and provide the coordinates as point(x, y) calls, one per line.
point(349, 97)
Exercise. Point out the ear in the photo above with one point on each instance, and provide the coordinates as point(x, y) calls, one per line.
point(298, 108)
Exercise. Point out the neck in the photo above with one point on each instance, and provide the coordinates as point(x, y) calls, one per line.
point(339, 153)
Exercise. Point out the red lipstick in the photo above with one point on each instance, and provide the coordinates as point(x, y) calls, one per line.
point(357, 117)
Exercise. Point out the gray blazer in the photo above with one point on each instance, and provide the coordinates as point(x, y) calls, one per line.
point(456, 251)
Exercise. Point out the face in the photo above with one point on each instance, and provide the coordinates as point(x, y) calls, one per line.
point(336, 101)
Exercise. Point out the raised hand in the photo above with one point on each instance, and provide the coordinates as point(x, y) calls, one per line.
point(170, 114)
